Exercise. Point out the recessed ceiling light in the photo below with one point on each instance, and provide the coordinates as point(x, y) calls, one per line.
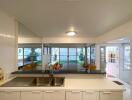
point(71, 33)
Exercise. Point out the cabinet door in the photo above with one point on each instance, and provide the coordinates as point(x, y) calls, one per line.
point(2, 95)
point(111, 95)
point(90, 95)
point(31, 95)
point(9, 95)
point(74, 95)
point(54, 95)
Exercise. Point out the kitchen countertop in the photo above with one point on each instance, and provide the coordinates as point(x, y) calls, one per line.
point(98, 84)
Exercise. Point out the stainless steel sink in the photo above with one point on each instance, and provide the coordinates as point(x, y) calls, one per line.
point(48, 81)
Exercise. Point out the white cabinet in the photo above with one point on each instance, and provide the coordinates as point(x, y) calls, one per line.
point(54, 95)
point(61, 95)
point(31, 95)
point(74, 95)
point(90, 95)
point(111, 95)
point(9, 95)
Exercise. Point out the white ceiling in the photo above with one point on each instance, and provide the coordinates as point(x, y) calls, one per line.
point(52, 18)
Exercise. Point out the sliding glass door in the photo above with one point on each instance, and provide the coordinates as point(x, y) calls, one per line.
point(64, 58)
point(72, 59)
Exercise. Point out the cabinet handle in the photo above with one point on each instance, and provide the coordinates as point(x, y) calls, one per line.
point(90, 92)
point(49, 91)
point(9, 91)
point(107, 92)
point(36, 91)
point(76, 91)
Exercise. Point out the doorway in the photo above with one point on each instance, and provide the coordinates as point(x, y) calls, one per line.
point(68, 58)
point(109, 60)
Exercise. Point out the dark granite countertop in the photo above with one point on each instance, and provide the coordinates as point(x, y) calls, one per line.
point(58, 72)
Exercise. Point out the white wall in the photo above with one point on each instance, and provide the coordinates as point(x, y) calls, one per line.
point(8, 40)
point(26, 35)
point(29, 40)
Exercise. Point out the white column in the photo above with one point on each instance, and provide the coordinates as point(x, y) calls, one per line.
point(97, 62)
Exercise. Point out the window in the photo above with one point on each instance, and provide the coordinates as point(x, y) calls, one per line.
point(27, 54)
point(92, 53)
point(126, 57)
point(70, 57)
point(80, 57)
point(63, 56)
point(54, 55)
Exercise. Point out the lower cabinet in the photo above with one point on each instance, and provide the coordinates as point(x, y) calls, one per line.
point(74, 95)
point(9, 95)
point(111, 95)
point(60, 95)
point(90, 95)
point(31, 95)
point(43, 95)
point(54, 95)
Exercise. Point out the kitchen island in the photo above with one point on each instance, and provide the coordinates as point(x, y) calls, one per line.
point(74, 88)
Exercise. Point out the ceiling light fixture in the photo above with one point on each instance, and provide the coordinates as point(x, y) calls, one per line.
point(71, 33)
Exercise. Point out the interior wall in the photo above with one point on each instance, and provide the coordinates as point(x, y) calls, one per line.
point(26, 35)
point(23, 40)
point(8, 46)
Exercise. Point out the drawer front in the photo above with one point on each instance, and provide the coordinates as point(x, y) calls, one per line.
point(90, 95)
point(31, 95)
point(9, 95)
point(108, 95)
point(74, 95)
point(54, 95)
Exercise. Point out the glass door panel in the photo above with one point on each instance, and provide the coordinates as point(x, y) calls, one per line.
point(72, 59)
point(63, 58)
point(27, 55)
point(103, 58)
point(54, 55)
point(80, 58)
point(126, 57)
